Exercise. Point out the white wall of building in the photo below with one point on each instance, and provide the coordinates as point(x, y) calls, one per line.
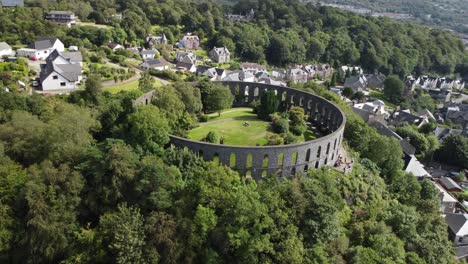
point(60, 83)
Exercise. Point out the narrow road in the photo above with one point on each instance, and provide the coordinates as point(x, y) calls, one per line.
point(137, 76)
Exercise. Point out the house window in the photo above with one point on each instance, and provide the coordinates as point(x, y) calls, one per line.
point(55, 77)
point(62, 84)
point(45, 52)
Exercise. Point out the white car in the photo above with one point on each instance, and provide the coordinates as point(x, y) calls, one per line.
point(35, 83)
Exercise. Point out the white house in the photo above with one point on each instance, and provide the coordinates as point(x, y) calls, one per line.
point(114, 46)
point(5, 49)
point(65, 57)
point(157, 64)
point(148, 54)
point(67, 18)
point(62, 71)
point(41, 49)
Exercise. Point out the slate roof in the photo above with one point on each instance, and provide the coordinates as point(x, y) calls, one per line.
point(449, 184)
point(457, 223)
point(59, 12)
point(70, 56)
point(402, 117)
point(71, 72)
point(221, 51)
point(12, 3)
point(4, 46)
point(183, 65)
point(150, 52)
point(43, 44)
point(238, 76)
point(157, 62)
point(112, 45)
point(442, 132)
point(446, 197)
point(414, 166)
point(248, 65)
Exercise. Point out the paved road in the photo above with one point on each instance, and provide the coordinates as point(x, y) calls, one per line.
point(137, 76)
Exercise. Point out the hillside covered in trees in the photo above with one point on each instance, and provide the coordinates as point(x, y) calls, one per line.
point(283, 32)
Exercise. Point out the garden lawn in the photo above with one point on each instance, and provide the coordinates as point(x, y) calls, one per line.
point(231, 127)
point(127, 86)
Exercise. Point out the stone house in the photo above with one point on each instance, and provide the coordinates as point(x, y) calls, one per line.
point(252, 68)
point(189, 41)
point(220, 55)
point(358, 83)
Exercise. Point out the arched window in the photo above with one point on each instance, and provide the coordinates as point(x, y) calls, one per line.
point(308, 155)
point(334, 145)
point(319, 150)
point(293, 171)
point(200, 154)
point(248, 174)
point(216, 158)
point(306, 168)
point(292, 99)
point(246, 91)
point(265, 161)
point(301, 101)
point(309, 104)
point(280, 159)
point(294, 158)
point(328, 148)
point(264, 173)
point(317, 164)
point(256, 92)
point(232, 160)
point(326, 161)
point(249, 161)
point(284, 95)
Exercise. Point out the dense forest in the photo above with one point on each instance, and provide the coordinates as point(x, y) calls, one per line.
point(88, 178)
point(283, 32)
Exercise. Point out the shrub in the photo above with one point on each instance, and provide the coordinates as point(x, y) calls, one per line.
point(280, 125)
point(298, 129)
point(203, 118)
point(213, 137)
point(289, 138)
point(274, 139)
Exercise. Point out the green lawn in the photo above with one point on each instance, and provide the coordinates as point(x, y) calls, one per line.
point(127, 86)
point(231, 126)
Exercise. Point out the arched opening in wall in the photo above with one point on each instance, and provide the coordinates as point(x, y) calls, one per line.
point(246, 91)
point(316, 113)
point(186, 150)
point(200, 154)
point(249, 161)
point(307, 155)
point(301, 101)
point(216, 158)
point(280, 159)
point(328, 148)
point(276, 92)
point(293, 171)
point(256, 92)
point(284, 95)
point(334, 145)
point(333, 156)
point(146, 101)
point(309, 104)
point(232, 160)
point(292, 100)
point(306, 168)
point(248, 174)
point(317, 164)
point(294, 158)
point(323, 115)
point(265, 161)
point(326, 162)
point(279, 173)
point(319, 150)
point(237, 90)
point(264, 173)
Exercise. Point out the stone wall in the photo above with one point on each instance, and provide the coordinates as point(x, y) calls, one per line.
point(284, 160)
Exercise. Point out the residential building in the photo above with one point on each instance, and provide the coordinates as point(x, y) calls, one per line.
point(67, 18)
point(149, 54)
point(62, 72)
point(186, 67)
point(41, 49)
point(220, 55)
point(401, 117)
point(438, 94)
point(235, 18)
point(376, 107)
point(186, 57)
point(214, 74)
point(450, 185)
point(189, 41)
point(448, 202)
point(157, 64)
point(12, 3)
point(442, 132)
point(297, 75)
point(344, 69)
point(6, 50)
point(458, 228)
point(375, 81)
point(358, 83)
point(240, 76)
point(114, 46)
point(152, 41)
point(252, 68)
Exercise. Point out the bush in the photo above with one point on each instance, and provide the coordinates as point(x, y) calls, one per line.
point(274, 139)
point(280, 125)
point(166, 75)
point(203, 118)
point(298, 129)
point(213, 137)
point(289, 138)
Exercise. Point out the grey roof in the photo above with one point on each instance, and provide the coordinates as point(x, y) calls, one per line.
point(149, 52)
point(457, 223)
point(59, 12)
point(68, 71)
point(449, 183)
point(68, 56)
point(401, 117)
point(183, 65)
point(415, 167)
point(221, 51)
point(43, 44)
point(4, 46)
point(12, 3)
point(442, 132)
point(238, 76)
point(157, 62)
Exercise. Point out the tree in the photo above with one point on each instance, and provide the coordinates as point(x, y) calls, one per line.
point(213, 137)
point(148, 128)
point(454, 150)
point(123, 233)
point(219, 98)
point(348, 92)
point(268, 105)
point(360, 96)
point(298, 120)
point(92, 86)
point(393, 89)
point(333, 79)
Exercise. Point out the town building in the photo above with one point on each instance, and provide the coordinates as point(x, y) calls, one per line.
point(458, 228)
point(114, 46)
point(252, 68)
point(358, 83)
point(153, 41)
point(220, 55)
point(67, 18)
point(12, 3)
point(450, 185)
point(149, 54)
point(41, 49)
point(448, 202)
point(6, 50)
point(62, 71)
point(189, 41)
point(158, 64)
point(235, 18)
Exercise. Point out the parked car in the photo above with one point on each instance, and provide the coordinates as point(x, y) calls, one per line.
point(35, 83)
